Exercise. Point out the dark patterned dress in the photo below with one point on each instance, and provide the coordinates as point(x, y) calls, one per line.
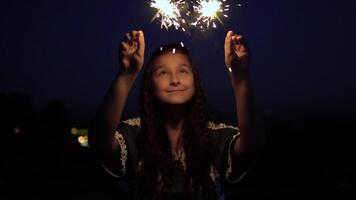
point(222, 170)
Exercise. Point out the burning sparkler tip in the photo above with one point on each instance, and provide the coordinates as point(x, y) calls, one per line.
point(176, 13)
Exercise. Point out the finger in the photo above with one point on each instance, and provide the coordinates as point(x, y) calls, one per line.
point(227, 45)
point(127, 37)
point(125, 46)
point(238, 39)
point(141, 43)
point(134, 46)
point(240, 43)
point(134, 34)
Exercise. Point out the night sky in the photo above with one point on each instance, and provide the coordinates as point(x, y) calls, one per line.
point(302, 52)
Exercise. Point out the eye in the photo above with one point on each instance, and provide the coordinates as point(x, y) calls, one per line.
point(185, 71)
point(162, 72)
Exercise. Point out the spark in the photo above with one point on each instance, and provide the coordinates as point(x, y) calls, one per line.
point(208, 11)
point(230, 70)
point(168, 12)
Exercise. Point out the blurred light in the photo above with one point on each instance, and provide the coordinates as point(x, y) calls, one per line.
point(78, 131)
point(17, 130)
point(74, 131)
point(83, 141)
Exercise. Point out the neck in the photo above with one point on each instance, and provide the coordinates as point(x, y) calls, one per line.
point(173, 119)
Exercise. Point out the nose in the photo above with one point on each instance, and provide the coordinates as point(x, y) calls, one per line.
point(174, 80)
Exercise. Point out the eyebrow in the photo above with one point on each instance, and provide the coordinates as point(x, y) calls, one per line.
point(162, 66)
point(157, 68)
point(185, 65)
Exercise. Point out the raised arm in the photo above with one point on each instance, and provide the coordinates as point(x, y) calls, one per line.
point(250, 141)
point(108, 116)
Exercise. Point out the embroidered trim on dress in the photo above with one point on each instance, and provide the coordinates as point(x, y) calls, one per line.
point(160, 183)
point(140, 164)
point(229, 162)
point(108, 170)
point(133, 121)
point(214, 175)
point(213, 126)
point(181, 157)
point(120, 139)
point(229, 159)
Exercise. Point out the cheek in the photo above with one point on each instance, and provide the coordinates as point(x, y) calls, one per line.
point(191, 81)
point(157, 86)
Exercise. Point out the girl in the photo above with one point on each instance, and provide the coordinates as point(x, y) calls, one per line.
point(173, 151)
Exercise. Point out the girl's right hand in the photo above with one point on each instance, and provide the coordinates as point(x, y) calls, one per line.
point(132, 50)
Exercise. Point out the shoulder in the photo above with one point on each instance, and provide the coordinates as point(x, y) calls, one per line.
point(129, 128)
point(222, 133)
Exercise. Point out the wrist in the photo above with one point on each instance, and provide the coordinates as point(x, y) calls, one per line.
point(128, 71)
point(238, 68)
point(127, 76)
point(238, 73)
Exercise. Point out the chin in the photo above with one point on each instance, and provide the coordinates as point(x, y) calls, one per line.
point(175, 100)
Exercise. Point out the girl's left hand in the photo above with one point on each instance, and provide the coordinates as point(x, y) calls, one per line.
point(236, 53)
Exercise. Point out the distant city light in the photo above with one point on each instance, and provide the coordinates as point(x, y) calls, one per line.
point(81, 135)
point(73, 131)
point(17, 130)
point(78, 131)
point(83, 141)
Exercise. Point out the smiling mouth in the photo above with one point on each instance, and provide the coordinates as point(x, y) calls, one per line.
point(171, 91)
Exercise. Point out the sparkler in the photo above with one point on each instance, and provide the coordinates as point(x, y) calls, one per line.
point(168, 11)
point(182, 14)
point(208, 11)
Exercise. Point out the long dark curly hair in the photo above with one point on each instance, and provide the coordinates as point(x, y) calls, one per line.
point(157, 169)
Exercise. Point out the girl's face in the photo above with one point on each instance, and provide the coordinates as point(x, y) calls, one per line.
point(172, 78)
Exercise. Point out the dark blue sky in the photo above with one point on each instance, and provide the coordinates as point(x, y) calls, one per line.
point(302, 51)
